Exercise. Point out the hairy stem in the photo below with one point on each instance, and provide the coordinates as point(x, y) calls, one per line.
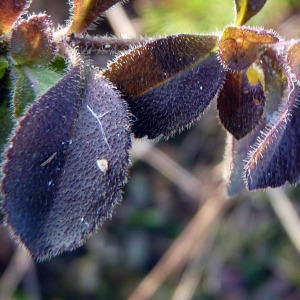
point(103, 43)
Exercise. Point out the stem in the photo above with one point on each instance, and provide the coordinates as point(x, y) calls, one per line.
point(88, 43)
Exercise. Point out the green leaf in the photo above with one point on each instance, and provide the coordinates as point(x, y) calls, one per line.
point(239, 46)
point(3, 66)
point(6, 119)
point(31, 83)
point(41, 78)
point(23, 93)
point(246, 9)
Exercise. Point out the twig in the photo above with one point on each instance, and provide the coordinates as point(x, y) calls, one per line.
point(18, 266)
point(191, 277)
point(91, 44)
point(286, 214)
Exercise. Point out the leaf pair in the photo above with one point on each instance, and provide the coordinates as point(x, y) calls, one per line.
point(169, 82)
point(274, 146)
point(66, 181)
point(275, 156)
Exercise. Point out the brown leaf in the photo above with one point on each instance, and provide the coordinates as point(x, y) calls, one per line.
point(31, 41)
point(85, 12)
point(10, 11)
point(238, 46)
point(167, 82)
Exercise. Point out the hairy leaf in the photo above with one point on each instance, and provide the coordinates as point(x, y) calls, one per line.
point(276, 156)
point(31, 83)
point(246, 9)
point(235, 155)
point(31, 41)
point(240, 103)
point(23, 93)
point(85, 12)
point(10, 11)
point(67, 161)
point(238, 46)
point(167, 82)
point(6, 119)
point(3, 66)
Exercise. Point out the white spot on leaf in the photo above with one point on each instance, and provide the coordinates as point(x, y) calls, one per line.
point(102, 165)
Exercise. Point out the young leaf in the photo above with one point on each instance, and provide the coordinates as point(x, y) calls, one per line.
point(276, 156)
point(31, 41)
point(10, 11)
point(67, 161)
point(168, 82)
point(238, 46)
point(85, 12)
point(240, 103)
point(246, 9)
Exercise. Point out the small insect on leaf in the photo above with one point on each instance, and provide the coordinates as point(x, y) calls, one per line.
point(10, 11)
point(168, 82)
point(85, 12)
point(238, 46)
point(293, 60)
point(31, 41)
point(67, 161)
point(246, 9)
point(276, 155)
point(241, 103)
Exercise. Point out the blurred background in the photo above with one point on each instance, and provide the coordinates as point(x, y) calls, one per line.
point(175, 236)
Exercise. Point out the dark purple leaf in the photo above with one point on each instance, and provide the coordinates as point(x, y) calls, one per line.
point(276, 156)
point(240, 104)
point(66, 164)
point(167, 83)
